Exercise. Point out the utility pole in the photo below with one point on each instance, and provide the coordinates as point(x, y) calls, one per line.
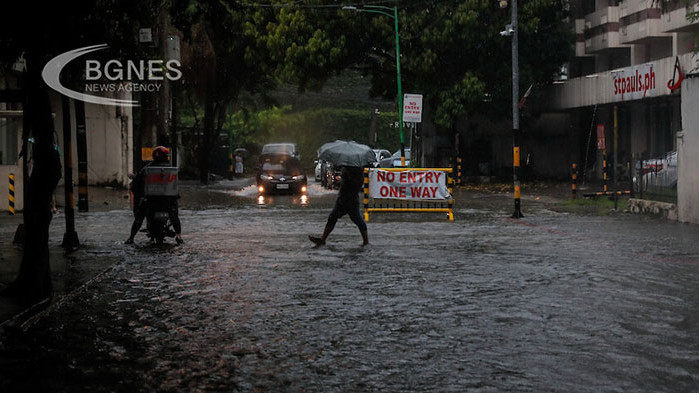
point(70, 237)
point(383, 10)
point(615, 142)
point(512, 30)
point(163, 99)
point(81, 132)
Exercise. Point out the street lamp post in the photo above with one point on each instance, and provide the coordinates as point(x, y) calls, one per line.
point(511, 30)
point(383, 10)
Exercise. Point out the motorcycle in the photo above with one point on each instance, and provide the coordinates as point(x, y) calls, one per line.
point(158, 225)
point(160, 197)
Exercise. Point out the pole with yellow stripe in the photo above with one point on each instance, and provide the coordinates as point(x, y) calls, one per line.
point(450, 185)
point(458, 171)
point(12, 194)
point(366, 194)
point(516, 175)
point(604, 169)
point(574, 184)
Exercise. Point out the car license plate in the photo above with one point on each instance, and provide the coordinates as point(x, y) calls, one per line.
point(282, 186)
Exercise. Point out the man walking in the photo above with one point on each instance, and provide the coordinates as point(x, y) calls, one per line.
point(347, 203)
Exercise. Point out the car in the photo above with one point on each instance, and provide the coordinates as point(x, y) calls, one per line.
point(280, 173)
point(394, 160)
point(318, 170)
point(656, 173)
point(280, 148)
point(380, 155)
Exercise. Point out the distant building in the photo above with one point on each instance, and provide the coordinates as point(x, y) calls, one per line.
point(109, 132)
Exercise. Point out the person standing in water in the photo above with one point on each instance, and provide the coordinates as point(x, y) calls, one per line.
point(347, 203)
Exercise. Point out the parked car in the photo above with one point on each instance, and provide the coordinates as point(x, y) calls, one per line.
point(280, 148)
point(394, 160)
point(280, 173)
point(656, 173)
point(380, 155)
point(318, 170)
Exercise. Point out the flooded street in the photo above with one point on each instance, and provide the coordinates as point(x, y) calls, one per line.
point(552, 302)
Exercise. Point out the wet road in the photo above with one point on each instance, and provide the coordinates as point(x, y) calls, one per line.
point(553, 302)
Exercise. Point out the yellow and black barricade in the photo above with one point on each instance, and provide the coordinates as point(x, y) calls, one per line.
point(392, 205)
point(12, 194)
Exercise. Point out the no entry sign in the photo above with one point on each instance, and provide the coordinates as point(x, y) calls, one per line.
point(408, 185)
point(412, 108)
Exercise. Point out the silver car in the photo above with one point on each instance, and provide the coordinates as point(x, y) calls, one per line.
point(656, 173)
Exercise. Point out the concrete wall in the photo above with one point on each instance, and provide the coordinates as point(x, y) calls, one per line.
point(688, 154)
point(109, 141)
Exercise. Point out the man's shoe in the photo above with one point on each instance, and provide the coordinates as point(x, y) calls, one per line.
point(318, 241)
point(179, 240)
point(128, 241)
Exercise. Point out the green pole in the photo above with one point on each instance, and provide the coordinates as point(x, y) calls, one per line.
point(400, 90)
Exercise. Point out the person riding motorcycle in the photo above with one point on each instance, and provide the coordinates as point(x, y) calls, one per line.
point(142, 204)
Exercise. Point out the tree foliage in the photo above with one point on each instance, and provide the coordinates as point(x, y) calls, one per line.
point(452, 52)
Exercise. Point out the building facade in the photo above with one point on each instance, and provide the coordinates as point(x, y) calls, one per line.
point(631, 57)
point(109, 137)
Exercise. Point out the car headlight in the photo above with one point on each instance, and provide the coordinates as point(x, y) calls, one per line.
point(265, 177)
point(298, 177)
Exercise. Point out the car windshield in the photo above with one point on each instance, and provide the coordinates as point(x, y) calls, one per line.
point(279, 148)
point(281, 166)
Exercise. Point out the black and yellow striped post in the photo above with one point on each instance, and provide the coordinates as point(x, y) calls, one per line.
point(366, 194)
point(458, 171)
point(608, 193)
point(450, 184)
point(574, 181)
point(604, 169)
point(516, 175)
point(12, 194)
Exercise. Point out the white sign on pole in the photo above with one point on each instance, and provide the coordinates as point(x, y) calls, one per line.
point(145, 35)
point(412, 108)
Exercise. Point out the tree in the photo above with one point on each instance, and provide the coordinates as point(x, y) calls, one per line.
point(452, 52)
point(236, 49)
point(40, 31)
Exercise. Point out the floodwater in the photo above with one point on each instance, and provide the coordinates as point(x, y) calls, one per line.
point(552, 302)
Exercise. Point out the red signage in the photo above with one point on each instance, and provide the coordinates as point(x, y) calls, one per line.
point(601, 141)
point(673, 84)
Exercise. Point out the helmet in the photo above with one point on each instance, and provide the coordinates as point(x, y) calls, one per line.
point(160, 153)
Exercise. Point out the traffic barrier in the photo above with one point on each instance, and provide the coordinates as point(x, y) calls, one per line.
point(12, 194)
point(396, 199)
point(606, 193)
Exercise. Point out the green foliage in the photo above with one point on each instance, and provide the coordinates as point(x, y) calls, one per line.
point(452, 52)
point(456, 101)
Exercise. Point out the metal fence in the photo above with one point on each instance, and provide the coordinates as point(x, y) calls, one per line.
point(656, 178)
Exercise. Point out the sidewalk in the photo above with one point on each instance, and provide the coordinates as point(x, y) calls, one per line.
point(69, 272)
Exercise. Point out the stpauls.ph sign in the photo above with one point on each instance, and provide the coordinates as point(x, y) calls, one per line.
point(634, 83)
point(111, 76)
